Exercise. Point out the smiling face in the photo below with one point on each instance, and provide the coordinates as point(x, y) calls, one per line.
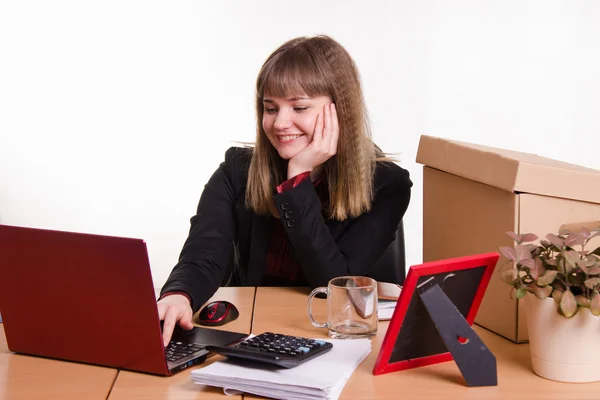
point(289, 123)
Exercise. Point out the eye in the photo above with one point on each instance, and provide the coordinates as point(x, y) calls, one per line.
point(270, 110)
point(300, 109)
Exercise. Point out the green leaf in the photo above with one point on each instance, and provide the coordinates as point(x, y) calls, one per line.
point(557, 295)
point(529, 237)
point(574, 239)
point(537, 269)
point(508, 273)
point(582, 301)
point(520, 293)
point(595, 304)
point(560, 265)
point(529, 263)
point(555, 240)
point(536, 251)
point(568, 304)
point(560, 311)
point(541, 292)
point(547, 278)
point(590, 283)
point(571, 258)
point(526, 237)
point(594, 270)
point(586, 263)
point(509, 253)
point(514, 236)
point(522, 253)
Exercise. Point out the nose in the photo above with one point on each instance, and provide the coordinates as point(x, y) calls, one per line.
point(282, 120)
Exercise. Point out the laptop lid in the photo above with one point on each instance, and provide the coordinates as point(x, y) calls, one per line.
point(86, 298)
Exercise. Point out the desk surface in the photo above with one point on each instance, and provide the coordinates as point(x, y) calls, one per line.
point(132, 385)
point(284, 310)
point(26, 377)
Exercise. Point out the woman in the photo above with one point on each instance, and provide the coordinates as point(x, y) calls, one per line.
point(314, 199)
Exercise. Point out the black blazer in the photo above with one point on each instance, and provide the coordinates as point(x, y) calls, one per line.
point(228, 243)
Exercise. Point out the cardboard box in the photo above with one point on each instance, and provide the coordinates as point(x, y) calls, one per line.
point(473, 195)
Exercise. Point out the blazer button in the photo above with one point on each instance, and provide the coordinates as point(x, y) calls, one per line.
point(288, 214)
point(285, 205)
point(291, 223)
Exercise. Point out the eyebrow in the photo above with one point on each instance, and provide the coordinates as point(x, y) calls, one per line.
point(266, 100)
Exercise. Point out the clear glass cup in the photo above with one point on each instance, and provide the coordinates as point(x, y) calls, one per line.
point(351, 307)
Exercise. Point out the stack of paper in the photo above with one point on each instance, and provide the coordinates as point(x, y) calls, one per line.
point(322, 377)
point(385, 309)
point(388, 294)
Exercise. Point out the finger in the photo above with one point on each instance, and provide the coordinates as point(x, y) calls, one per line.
point(318, 133)
point(329, 126)
point(186, 320)
point(326, 126)
point(335, 129)
point(169, 325)
point(161, 311)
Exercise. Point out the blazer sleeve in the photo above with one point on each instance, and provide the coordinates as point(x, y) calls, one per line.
point(206, 252)
point(364, 240)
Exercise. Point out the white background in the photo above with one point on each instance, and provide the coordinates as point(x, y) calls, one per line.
point(113, 114)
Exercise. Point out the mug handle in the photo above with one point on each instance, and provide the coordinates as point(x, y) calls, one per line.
point(309, 306)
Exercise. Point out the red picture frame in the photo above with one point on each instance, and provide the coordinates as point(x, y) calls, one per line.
point(488, 261)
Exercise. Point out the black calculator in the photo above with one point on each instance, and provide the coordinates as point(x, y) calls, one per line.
point(276, 349)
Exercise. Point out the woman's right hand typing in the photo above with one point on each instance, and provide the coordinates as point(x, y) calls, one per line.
point(172, 309)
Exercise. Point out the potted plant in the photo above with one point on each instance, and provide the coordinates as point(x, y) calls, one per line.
point(559, 277)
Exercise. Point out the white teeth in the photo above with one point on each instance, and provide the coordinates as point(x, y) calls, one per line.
point(289, 137)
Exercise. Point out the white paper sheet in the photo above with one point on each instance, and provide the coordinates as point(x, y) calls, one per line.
point(323, 377)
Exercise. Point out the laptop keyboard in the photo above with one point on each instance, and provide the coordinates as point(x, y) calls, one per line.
point(177, 350)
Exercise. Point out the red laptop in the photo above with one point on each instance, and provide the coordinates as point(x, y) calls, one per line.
point(89, 298)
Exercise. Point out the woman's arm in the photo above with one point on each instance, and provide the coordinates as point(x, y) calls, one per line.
point(207, 251)
point(363, 241)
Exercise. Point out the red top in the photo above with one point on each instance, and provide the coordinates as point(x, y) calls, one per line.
point(281, 268)
point(293, 182)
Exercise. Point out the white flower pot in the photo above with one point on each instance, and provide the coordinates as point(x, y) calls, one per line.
point(566, 350)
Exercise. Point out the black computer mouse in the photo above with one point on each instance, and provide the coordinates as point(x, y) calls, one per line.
point(218, 313)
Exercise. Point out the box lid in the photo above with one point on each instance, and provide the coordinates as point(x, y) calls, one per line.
point(510, 170)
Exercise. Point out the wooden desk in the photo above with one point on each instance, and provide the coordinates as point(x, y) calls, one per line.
point(284, 310)
point(132, 385)
point(25, 377)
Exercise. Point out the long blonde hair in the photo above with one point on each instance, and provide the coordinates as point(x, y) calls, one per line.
point(316, 66)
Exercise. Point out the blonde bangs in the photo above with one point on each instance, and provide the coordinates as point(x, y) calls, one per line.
point(292, 73)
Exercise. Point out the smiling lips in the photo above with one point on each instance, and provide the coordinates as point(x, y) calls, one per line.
point(288, 138)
